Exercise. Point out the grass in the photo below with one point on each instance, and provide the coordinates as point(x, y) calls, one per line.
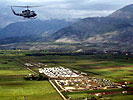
point(114, 69)
point(32, 90)
point(14, 87)
point(122, 97)
point(85, 94)
point(111, 68)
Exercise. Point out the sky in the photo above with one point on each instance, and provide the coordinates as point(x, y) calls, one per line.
point(62, 9)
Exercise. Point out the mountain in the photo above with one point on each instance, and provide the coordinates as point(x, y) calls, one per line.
point(31, 29)
point(111, 29)
point(123, 35)
point(112, 32)
point(91, 27)
point(125, 12)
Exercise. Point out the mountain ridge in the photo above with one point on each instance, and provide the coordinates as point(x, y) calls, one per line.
point(116, 28)
point(32, 28)
point(98, 26)
point(125, 12)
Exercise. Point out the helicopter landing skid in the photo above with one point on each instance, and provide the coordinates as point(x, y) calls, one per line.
point(30, 18)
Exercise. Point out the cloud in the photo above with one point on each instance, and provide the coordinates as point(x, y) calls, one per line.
point(27, 0)
point(63, 9)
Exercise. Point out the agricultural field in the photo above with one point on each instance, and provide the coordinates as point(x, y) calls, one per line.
point(117, 68)
point(14, 87)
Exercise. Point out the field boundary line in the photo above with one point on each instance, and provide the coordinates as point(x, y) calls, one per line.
point(31, 70)
point(64, 98)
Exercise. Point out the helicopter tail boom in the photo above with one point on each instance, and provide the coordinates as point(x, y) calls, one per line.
point(15, 12)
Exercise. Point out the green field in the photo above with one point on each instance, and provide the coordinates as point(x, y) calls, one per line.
point(14, 87)
point(117, 70)
point(114, 69)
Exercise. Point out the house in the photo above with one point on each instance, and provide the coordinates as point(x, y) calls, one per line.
point(98, 94)
point(127, 82)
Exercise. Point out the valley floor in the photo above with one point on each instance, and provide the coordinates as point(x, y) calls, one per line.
point(14, 87)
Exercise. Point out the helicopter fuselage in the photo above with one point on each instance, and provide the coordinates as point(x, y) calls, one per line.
point(26, 13)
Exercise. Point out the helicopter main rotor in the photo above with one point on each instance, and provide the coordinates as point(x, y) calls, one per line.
point(26, 6)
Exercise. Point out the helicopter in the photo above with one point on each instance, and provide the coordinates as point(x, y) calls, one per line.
point(25, 13)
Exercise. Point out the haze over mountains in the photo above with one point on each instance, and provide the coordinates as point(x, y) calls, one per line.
point(30, 30)
point(115, 28)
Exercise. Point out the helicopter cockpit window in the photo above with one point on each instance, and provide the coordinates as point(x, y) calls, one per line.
point(32, 12)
